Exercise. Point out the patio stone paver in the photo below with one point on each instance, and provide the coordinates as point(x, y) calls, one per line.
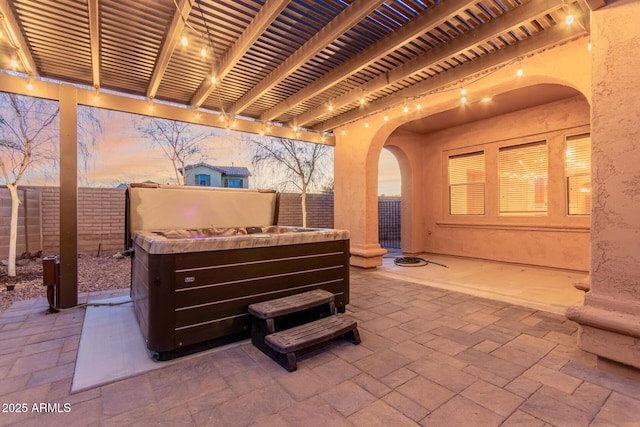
point(432, 358)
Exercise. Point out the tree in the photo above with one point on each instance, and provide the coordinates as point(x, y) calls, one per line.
point(179, 142)
point(298, 164)
point(29, 130)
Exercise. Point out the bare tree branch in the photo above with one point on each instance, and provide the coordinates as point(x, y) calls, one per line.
point(296, 163)
point(180, 143)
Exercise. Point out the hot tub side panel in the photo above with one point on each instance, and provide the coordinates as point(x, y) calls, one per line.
point(152, 289)
point(209, 292)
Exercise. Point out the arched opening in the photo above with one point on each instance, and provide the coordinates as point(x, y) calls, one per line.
point(389, 202)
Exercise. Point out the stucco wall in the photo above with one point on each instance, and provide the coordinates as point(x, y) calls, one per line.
point(553, 240)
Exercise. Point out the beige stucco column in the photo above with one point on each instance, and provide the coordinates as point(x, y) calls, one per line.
point(609, 318)
point(356, 193)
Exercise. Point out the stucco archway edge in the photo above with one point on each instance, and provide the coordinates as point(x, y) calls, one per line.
point(358, 144)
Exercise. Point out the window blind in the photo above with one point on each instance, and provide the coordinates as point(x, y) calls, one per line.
point(466, 184)
point(578, 174)
point(523, 171)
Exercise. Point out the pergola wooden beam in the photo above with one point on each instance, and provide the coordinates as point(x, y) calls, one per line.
point(256, 28)
point(399, 38)
point(596, 4)
point(15, 35)
point(486, 32)
point(173, 35)
point(550, 37)
point(347, 19)
point(94, 39)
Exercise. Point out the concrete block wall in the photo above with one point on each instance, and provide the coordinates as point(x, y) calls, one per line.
point(319, 210)
point(100, 220)
point(29, 221)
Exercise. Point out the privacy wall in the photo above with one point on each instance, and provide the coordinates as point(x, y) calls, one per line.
point(101, 218)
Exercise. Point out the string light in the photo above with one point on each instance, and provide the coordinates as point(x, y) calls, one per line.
point(30, 84)
point(197, 114)
point(486, 99)
point(589, 47)
point(184, 40)
point(344, 132)
point(463, 92)
point(362, 101)
point(386, 118)
point(214, 80)
point(221, 117)
point(366, 124)
point(150, 104)
point(96, 94)
point(569, 19)
point(419, 106)
point(14, 64)
point(203, 52)
point(330, 107)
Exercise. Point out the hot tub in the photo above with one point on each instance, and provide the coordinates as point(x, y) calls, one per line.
point(202, 255)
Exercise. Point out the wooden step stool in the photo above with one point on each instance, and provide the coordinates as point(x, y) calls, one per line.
point(284, 326)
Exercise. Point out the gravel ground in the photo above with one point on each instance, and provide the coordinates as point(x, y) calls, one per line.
point(94, 274)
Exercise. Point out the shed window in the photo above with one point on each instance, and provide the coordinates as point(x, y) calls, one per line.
point(466, 184)
point(523, 171)
point(578, 174)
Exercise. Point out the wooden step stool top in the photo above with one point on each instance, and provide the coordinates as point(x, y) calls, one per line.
point(290, 304)
point(309, 334)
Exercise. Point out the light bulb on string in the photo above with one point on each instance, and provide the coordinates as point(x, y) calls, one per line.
point(463, 91)
point(569, 19)
point(386, 118)
point(214, 80)
point(344, 132)
point(96, 94)
point(184, 41)
point(589, 47)
point(330, 107)
point(366, 125)
point(203, 52)
point(14, 64)
point(30, 85)
point(519, 71)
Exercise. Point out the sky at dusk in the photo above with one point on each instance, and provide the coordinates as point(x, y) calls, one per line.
point(120, 154)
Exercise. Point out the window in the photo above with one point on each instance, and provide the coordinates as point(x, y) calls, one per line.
point(578, 174)
point(204, 180)
point(234, 183)
point(523, 179)
point(466, 184)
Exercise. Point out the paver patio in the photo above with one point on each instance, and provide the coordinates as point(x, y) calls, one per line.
point(428, 357)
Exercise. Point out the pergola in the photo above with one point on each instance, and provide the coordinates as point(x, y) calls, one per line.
point(314, 70)
point(296, 68)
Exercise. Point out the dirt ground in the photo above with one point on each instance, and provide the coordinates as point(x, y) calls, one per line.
point(94, 274)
